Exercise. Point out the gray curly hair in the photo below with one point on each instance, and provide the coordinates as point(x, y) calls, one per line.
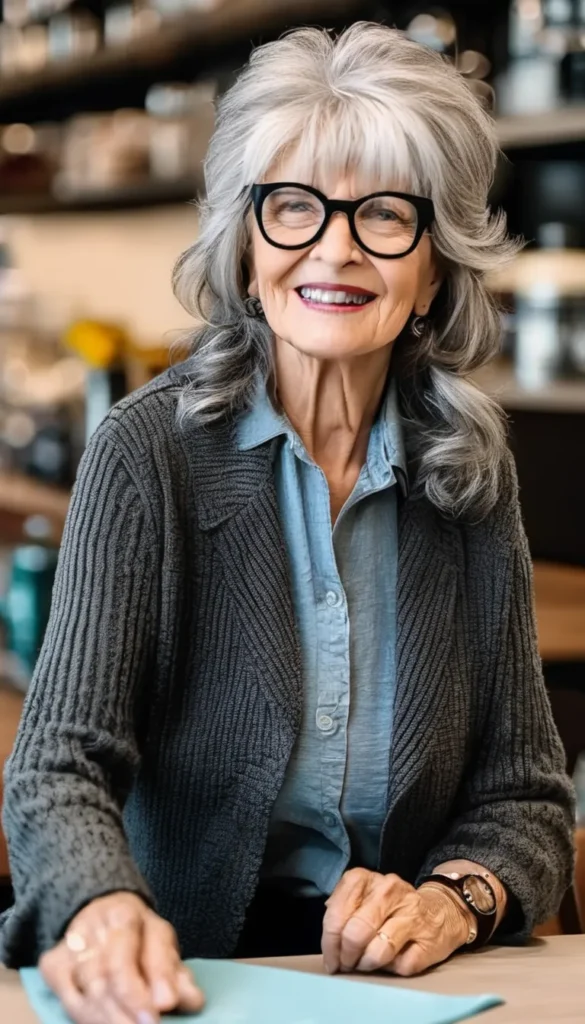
point(393, 111)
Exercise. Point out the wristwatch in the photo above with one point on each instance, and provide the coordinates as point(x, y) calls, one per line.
point(480, 897)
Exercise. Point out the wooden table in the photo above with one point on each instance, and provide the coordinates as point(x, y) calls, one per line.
point(560, 611)
point(10, 709)
point(542, 982)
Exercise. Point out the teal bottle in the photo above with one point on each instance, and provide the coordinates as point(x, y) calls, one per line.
point(25, 607)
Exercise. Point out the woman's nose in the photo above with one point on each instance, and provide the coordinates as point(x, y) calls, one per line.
point(337, 245)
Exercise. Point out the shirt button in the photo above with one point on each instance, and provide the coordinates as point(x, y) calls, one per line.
point(324, 722)
point(332, 598)
point(330, 820)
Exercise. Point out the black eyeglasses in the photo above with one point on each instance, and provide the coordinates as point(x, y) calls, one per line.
point(385, 224)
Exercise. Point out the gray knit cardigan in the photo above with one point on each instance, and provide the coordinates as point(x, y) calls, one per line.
point(167, 696)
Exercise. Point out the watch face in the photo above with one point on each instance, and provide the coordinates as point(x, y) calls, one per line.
point(479, 894)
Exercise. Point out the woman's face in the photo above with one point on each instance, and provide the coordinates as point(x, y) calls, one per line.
point(396, 288)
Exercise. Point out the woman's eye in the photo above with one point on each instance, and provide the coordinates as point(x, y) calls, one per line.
point(295, 206)
point(382, 214)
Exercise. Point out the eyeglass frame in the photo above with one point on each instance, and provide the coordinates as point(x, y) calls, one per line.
point(424, 207)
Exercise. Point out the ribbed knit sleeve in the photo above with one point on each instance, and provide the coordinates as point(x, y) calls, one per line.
point(516, 812)
point(76, 750)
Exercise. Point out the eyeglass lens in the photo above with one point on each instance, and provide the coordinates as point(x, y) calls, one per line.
point(384, 224)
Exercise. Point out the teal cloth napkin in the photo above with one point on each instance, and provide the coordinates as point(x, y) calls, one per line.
point(246, 994)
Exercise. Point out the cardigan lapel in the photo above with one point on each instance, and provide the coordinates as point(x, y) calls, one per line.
point(237, 508)
point(426, 593)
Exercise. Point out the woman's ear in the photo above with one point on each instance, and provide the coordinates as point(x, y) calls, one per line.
point(430, 284)
point(252, 286)
point(249, 277)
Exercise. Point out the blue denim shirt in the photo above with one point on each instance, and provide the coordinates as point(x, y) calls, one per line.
point(331, 808)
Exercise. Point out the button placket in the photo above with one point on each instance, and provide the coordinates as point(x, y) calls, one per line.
point(332, 697)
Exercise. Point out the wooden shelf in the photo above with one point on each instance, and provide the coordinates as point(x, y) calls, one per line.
point(521, 131)
point(127, 197)
point(558, 396)
point(206, 34)
point(11, 702)
point(560, 611)
point(93, 6)
point(195, 44)
point(23, 496)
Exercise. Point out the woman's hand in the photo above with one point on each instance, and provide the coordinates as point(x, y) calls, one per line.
point(376, 922)
point(119, 963)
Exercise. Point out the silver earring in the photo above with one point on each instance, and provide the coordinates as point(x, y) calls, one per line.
point(253, 307)
point(418, 326)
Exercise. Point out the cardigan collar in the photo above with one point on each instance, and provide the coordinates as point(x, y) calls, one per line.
point(226, 478)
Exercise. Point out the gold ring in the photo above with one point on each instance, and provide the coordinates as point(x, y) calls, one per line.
point(75, 942)
point(383, 935)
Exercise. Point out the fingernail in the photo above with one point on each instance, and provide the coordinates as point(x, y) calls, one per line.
point(328, 967)
point(184, 976)
point(367, 964)
point(163, 992)
point(145, 1018)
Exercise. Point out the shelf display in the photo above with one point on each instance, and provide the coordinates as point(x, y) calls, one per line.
point(547, 56)
point(136, 156)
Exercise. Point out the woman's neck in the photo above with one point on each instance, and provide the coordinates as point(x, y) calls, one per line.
point(332, 405)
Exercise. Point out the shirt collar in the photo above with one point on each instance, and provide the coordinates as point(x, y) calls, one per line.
point(386, 448)
point(261, 423)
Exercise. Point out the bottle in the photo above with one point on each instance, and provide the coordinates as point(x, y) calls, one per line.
point(182, 119)
point(26, 606)
point(531, 83)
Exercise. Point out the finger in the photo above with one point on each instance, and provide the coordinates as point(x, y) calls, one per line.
point(161, 966)
point(343, 902)
point(93, 976)
point(191, 998)
point(410, 961)
point(127, 987)
point(388, 941)
point(57, 972)
point(385, 896)
point(106, 1010)
point(77, 1008)
point(113, 1013)
point(88, 972)
point(159, 962)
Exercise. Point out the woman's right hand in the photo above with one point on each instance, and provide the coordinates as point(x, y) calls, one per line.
point(119, 963)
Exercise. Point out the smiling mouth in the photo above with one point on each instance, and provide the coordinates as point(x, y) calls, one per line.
point(334, 299)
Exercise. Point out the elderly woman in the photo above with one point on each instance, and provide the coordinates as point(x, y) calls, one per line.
point(289, 697)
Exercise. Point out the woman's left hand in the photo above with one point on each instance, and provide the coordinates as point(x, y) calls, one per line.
point(380, 922)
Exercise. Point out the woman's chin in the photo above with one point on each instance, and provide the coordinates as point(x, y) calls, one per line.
point(333, 345)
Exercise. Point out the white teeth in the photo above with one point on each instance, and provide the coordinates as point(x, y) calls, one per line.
point(333, 298)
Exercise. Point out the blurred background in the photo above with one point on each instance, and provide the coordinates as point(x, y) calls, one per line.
point(106, 108)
